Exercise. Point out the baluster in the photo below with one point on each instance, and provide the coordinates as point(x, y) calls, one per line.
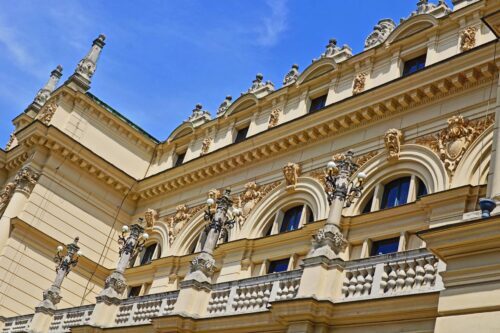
point(410, 275)
point(253, 297)
point(430, 272)
point(352, 283)
point(392, 277)
point(267, 293)
point(345, 285)
point(400, 281)
point(384, 277)
point(420, 272)
point(360, 282)
point(367, 287)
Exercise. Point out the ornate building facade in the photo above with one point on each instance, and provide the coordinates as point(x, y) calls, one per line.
point(360, 196)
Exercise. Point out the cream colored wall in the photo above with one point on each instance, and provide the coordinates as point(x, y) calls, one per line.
point(26, 270)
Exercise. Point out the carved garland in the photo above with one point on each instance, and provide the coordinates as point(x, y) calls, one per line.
point(359, 83)
point(452, 142)
point(274, 118)
point(252, 195)
point(205, 145)
point(468, 38)
point(46, 114)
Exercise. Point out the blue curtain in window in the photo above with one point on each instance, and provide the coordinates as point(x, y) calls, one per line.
point(396, 193)
point(278, 266)
point(291, 219)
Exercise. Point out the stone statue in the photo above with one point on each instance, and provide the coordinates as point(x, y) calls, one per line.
point(393, 139)
point(292, 75)
point(257, 83)
point(224, 105)
point(199, 116)
point(359, 83)
point(380, 33)
point(291, 171)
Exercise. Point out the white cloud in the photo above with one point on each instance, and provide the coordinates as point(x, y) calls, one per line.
point(273, 25)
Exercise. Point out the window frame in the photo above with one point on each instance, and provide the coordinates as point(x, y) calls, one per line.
point(277, 262)
point(395, 240)
point(178, 161)
point(274, 226)
point(404, 72)
point(312, 99)
point(238, 130)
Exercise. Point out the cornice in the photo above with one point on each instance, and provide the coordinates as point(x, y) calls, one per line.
point(437, 81)
point(57, 142)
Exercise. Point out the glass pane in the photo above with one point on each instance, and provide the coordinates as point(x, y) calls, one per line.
point(395, 193)
point(278, 266)
point(317, 103)
point(422, 190)
point(368, 206)
point(414, 65)
point(291, 219)
point(241, 135)
point(385, 246)
point(134, 291)
point(148, 254)
point(180, 159)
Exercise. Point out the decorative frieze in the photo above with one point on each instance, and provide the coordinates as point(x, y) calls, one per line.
point(380, 33)
point(393, 139)
point(291, 172)
point(453, 141)
point(359, 83)
point(10, 142)
point(468, 38)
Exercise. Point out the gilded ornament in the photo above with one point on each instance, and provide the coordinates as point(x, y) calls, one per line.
point(252, 195)
point(359, 83)
point(468, 38)
point(393, 139)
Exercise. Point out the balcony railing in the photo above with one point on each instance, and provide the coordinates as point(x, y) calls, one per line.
point(140, 310)
point(17, 324)
point(253, 294)
point(64, 319)
point(400, 273)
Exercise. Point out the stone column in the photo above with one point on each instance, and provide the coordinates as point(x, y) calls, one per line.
point(110, 297)
point(494, 173)
point(44, 312)
point(13, 198)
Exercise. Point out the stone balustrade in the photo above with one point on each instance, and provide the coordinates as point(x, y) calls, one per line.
point(399, 273)
point(17, 324)
point(253, 294)
point(140, 310)
point(64, 319)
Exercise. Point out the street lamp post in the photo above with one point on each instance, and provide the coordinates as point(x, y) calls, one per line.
point(220, 216)
point(65, 264)
point(341, 191)
point(131, 243)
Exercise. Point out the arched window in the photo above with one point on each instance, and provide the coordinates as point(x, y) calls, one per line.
point(289, 219)
point(150, 252)
point(395, 193)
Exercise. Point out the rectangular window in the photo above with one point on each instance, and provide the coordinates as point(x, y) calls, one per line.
point(291, 219)
point(134, 291)
point(241, 134)
point(278, 266)
point(385, 246)
point(148, 254)
point(317, 103)
point(180, 159)
point(414, 65)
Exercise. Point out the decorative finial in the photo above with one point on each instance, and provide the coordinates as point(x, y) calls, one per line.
point(199, 116)
point(292, 75)
point(43, 94)
point(87, 66)
point(224, 105)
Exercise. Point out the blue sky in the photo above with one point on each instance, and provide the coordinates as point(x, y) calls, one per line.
point(162, 57)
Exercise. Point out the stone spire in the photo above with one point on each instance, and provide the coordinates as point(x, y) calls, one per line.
point(82, 76)
point(43, 94)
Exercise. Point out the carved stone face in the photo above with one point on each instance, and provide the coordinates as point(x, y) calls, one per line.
point(291, 172)
point(392, 140)
point(150, 217)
